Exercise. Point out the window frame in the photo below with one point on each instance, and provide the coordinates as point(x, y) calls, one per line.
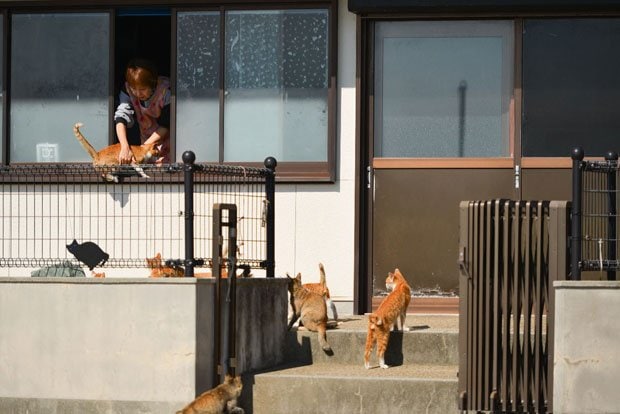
point(449, 28)
point(514, 128)
point(291, 171)
point(4, 131)
point(9, 13)
point(368, 18)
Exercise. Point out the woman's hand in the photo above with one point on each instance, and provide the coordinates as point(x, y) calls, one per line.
point(125, 156)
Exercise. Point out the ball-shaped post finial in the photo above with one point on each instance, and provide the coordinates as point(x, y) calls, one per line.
point(188, 157)
point(577, 154)
point(271, 163)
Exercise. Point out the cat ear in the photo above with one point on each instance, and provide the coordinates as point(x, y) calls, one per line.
point(158, 255)
point(288, 276)
point(298, 276)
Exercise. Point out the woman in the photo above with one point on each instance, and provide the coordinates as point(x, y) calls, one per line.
point(145, 99)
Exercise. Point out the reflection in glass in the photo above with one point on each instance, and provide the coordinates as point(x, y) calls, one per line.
point(443, 89)
point(570, 86)
point(198, 67)
point(59, 76)
point(276, 85)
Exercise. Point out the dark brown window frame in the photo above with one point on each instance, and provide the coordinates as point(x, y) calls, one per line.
point(295, 172)
point(369, 13)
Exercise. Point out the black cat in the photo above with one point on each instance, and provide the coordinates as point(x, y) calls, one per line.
point(88, 253)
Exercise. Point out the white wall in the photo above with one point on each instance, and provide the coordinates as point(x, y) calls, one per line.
point(315, 222)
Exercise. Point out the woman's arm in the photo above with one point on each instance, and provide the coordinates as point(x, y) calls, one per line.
point(123, 117)
point(157, 137)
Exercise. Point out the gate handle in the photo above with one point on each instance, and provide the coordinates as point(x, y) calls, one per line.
point(462, 265)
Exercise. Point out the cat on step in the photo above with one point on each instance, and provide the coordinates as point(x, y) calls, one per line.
point(322, 289)
point(310, 308)
point(108, 156)
point(391, 312)
point(221, 399)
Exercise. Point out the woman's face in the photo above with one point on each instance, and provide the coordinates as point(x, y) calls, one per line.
point(141, 92)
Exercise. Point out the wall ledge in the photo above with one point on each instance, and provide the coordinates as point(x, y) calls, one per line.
point(586, 284)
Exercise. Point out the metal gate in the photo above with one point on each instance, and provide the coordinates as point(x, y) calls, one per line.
point(510, 254)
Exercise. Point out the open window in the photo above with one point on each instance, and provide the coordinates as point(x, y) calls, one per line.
point(143, 33)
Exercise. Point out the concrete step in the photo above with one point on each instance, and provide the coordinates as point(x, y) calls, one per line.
point(340, 388)
point(422, 377)
point(430, 340)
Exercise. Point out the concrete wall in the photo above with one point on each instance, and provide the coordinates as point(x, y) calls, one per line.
point(125, 345)
point(587, 351)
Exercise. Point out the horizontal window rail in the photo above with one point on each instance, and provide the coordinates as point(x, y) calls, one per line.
point(595, 209)
point(132, 213)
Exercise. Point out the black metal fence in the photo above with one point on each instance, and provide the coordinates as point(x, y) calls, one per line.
point(47, 206)
point(510, 254)
point(594, 244)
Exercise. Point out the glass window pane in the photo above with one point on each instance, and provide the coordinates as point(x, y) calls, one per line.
point(1, 84)
point(443, 88)
point(276, 85)
point(59, 76)
point(570, 86)
point(198, 68)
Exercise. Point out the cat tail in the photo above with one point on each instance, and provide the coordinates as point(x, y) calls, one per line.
point(322, 332)
point(332, 306)
point(87, 146)
point(322, 281)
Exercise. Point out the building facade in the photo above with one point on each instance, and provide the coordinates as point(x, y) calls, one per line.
point(383, 115)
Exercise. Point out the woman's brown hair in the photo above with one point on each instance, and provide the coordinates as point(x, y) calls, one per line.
point(141, 73)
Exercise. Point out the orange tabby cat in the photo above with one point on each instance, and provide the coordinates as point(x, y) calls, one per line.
point(393, 280)
point(310, 308)
point(392, 309)
point(221, 399)
point(109, 155)
point(322, 289)
point(158, 269)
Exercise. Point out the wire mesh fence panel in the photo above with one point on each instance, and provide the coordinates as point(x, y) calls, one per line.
point(47, 207)
point(595, 216)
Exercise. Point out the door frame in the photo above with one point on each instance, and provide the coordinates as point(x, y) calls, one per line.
point(366, 163)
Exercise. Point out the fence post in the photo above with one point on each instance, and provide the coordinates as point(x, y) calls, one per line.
point(611, 158)
point(225, 331)
point(577, 156)
point(270, 189)
point(188, 168)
